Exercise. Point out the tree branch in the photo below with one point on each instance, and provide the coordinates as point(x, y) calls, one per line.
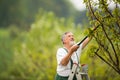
point(96, 52)
point(92, 12)
point(111, 44)
point(100, 44)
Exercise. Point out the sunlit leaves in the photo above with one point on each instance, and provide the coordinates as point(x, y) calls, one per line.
point(107, 36)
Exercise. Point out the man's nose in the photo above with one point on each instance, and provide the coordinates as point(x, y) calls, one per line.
point(72, 38)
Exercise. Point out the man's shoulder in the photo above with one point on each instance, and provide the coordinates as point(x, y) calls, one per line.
point(61, 48)
point(61, 51)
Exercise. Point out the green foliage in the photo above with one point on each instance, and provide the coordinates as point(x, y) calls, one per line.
point(31, 54)
point(107, 35)
point(22, 12)
point(34, 56)
point(6, 51)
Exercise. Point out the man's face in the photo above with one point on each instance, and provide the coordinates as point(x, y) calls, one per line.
point(69, 39)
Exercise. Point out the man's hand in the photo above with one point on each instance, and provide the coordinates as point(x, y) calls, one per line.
point(74, 48)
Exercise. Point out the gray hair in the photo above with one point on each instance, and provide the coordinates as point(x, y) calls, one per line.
point(63, 36)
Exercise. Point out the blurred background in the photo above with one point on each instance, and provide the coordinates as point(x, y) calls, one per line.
point(30, 32)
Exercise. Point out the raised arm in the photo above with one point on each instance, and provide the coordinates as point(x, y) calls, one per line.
point(86, 41)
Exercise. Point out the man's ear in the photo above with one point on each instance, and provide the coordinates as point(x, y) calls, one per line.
point(64, 41)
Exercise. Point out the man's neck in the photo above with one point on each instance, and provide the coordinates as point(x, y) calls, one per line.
point(67, 47)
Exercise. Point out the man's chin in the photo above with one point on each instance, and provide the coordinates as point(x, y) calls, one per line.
point(72, 43)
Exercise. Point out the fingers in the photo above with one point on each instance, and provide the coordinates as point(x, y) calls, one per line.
point(74, 48)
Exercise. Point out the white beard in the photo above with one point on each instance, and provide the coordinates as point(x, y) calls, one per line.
point(72, 43)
